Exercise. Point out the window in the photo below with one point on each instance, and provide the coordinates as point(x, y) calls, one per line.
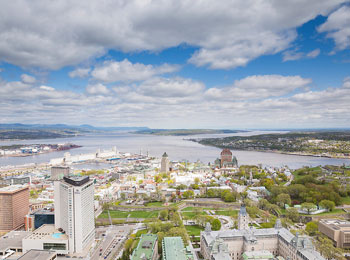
point(54, 246)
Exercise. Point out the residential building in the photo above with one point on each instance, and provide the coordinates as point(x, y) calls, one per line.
point(173, 249)
point(337, 230)
point(14, 206)
point(164, 164)
point(147, 249)
point(74, 211)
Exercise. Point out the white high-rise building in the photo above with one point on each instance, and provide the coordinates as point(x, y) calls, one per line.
point(74, 211)
point(164, 164)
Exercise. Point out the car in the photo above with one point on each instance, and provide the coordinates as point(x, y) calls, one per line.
point(100, 249)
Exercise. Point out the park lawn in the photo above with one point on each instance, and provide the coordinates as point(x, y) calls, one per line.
point(227, 212)
point(194, 230)
point(154, 204)
point(192, 214)
point(188, 209)
point(345, 200)
point(334, 212)
point(131, 214)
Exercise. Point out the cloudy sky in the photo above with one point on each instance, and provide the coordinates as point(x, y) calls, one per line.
point(176, 64)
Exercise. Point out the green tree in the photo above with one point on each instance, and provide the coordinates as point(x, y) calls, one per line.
point(292, 214)
point(216, 224)
point(188, 194)
point(327, 204)
point(163, 214)
point(311, 228)
point(308, 206)
point(283, 199)
point(325, 246)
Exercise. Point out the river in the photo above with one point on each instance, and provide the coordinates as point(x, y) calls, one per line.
point(177, 147)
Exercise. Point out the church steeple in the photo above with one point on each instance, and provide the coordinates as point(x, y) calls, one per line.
point(243, 218)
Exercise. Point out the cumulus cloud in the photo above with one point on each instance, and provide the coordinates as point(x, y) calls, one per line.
point(27, 78)
point(97, 89)
point(79, 73)
point(297, 55)
point(228, 34)
point(337, 27)
point(125, 71)
point(258, 87)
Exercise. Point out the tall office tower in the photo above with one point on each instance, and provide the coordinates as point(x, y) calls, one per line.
point(74, 211)
point(58, 172)
point(14, 206)
point(164, 164)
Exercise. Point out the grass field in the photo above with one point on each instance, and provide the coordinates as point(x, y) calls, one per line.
point(227, 212)
point(131, 214)
point(194, 230)
point(191, 214)
point(345, 200)
point(154, 204)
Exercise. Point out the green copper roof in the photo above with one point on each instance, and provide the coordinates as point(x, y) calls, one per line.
point(173, 249)
point(145, 248)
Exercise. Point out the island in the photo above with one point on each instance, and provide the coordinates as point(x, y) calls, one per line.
point(317, 143)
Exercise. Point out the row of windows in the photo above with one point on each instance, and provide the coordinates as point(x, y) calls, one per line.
point(54, 246)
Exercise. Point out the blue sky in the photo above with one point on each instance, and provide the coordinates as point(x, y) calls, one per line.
point(237, 64)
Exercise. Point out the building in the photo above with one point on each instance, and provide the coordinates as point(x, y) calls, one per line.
point(39, 255)
point(164, 164)
point(237, 244)
point(147, 249)
point(14, 206)
point(337, 230)
point(227, 160)
point(11, 243)
point(243, 218)
point(39, 218)
point(258, 255)
point(58, 172)
point(74, 211)
point(173, 249)
point(47, 237)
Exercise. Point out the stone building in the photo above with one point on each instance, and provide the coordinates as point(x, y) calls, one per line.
point(164, 164)
point(234, 244)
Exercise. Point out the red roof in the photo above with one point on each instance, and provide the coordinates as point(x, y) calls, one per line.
point(226, 152)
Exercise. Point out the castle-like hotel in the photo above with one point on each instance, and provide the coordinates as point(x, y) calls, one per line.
point(250, 243)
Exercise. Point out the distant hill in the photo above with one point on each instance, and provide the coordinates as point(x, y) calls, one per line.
point(180, 132)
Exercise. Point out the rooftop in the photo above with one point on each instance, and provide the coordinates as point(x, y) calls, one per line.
point(76, 180)
point(264, 254)
point(336, 224)
point(48, 231)
point(173, 249)
point(12, 188)
point(145, 247)
point(13, 239)
point(38, 255)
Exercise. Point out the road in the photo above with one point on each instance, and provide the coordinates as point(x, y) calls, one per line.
point(113, 238)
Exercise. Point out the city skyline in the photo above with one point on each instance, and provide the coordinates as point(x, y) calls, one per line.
point(236, 65)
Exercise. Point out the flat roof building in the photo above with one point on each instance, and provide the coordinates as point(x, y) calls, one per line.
point(173, 249)
point(74, 211)
point(337, 230)
point(39, 255)
point(147, 249)
point(14, 206)
point(47, 237)
point(12, 241)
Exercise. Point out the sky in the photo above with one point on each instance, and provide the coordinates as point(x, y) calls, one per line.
point(235, 64)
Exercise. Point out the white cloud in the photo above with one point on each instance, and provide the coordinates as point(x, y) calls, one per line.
point(337, 27)
point(97, 89)
point(228, 34)
point(125, 71)
point(313, 54)
point(47, 88)
point(292, 55)
point(27, 78)
point(79, 73)
point(258, 87)
point(175, 87)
